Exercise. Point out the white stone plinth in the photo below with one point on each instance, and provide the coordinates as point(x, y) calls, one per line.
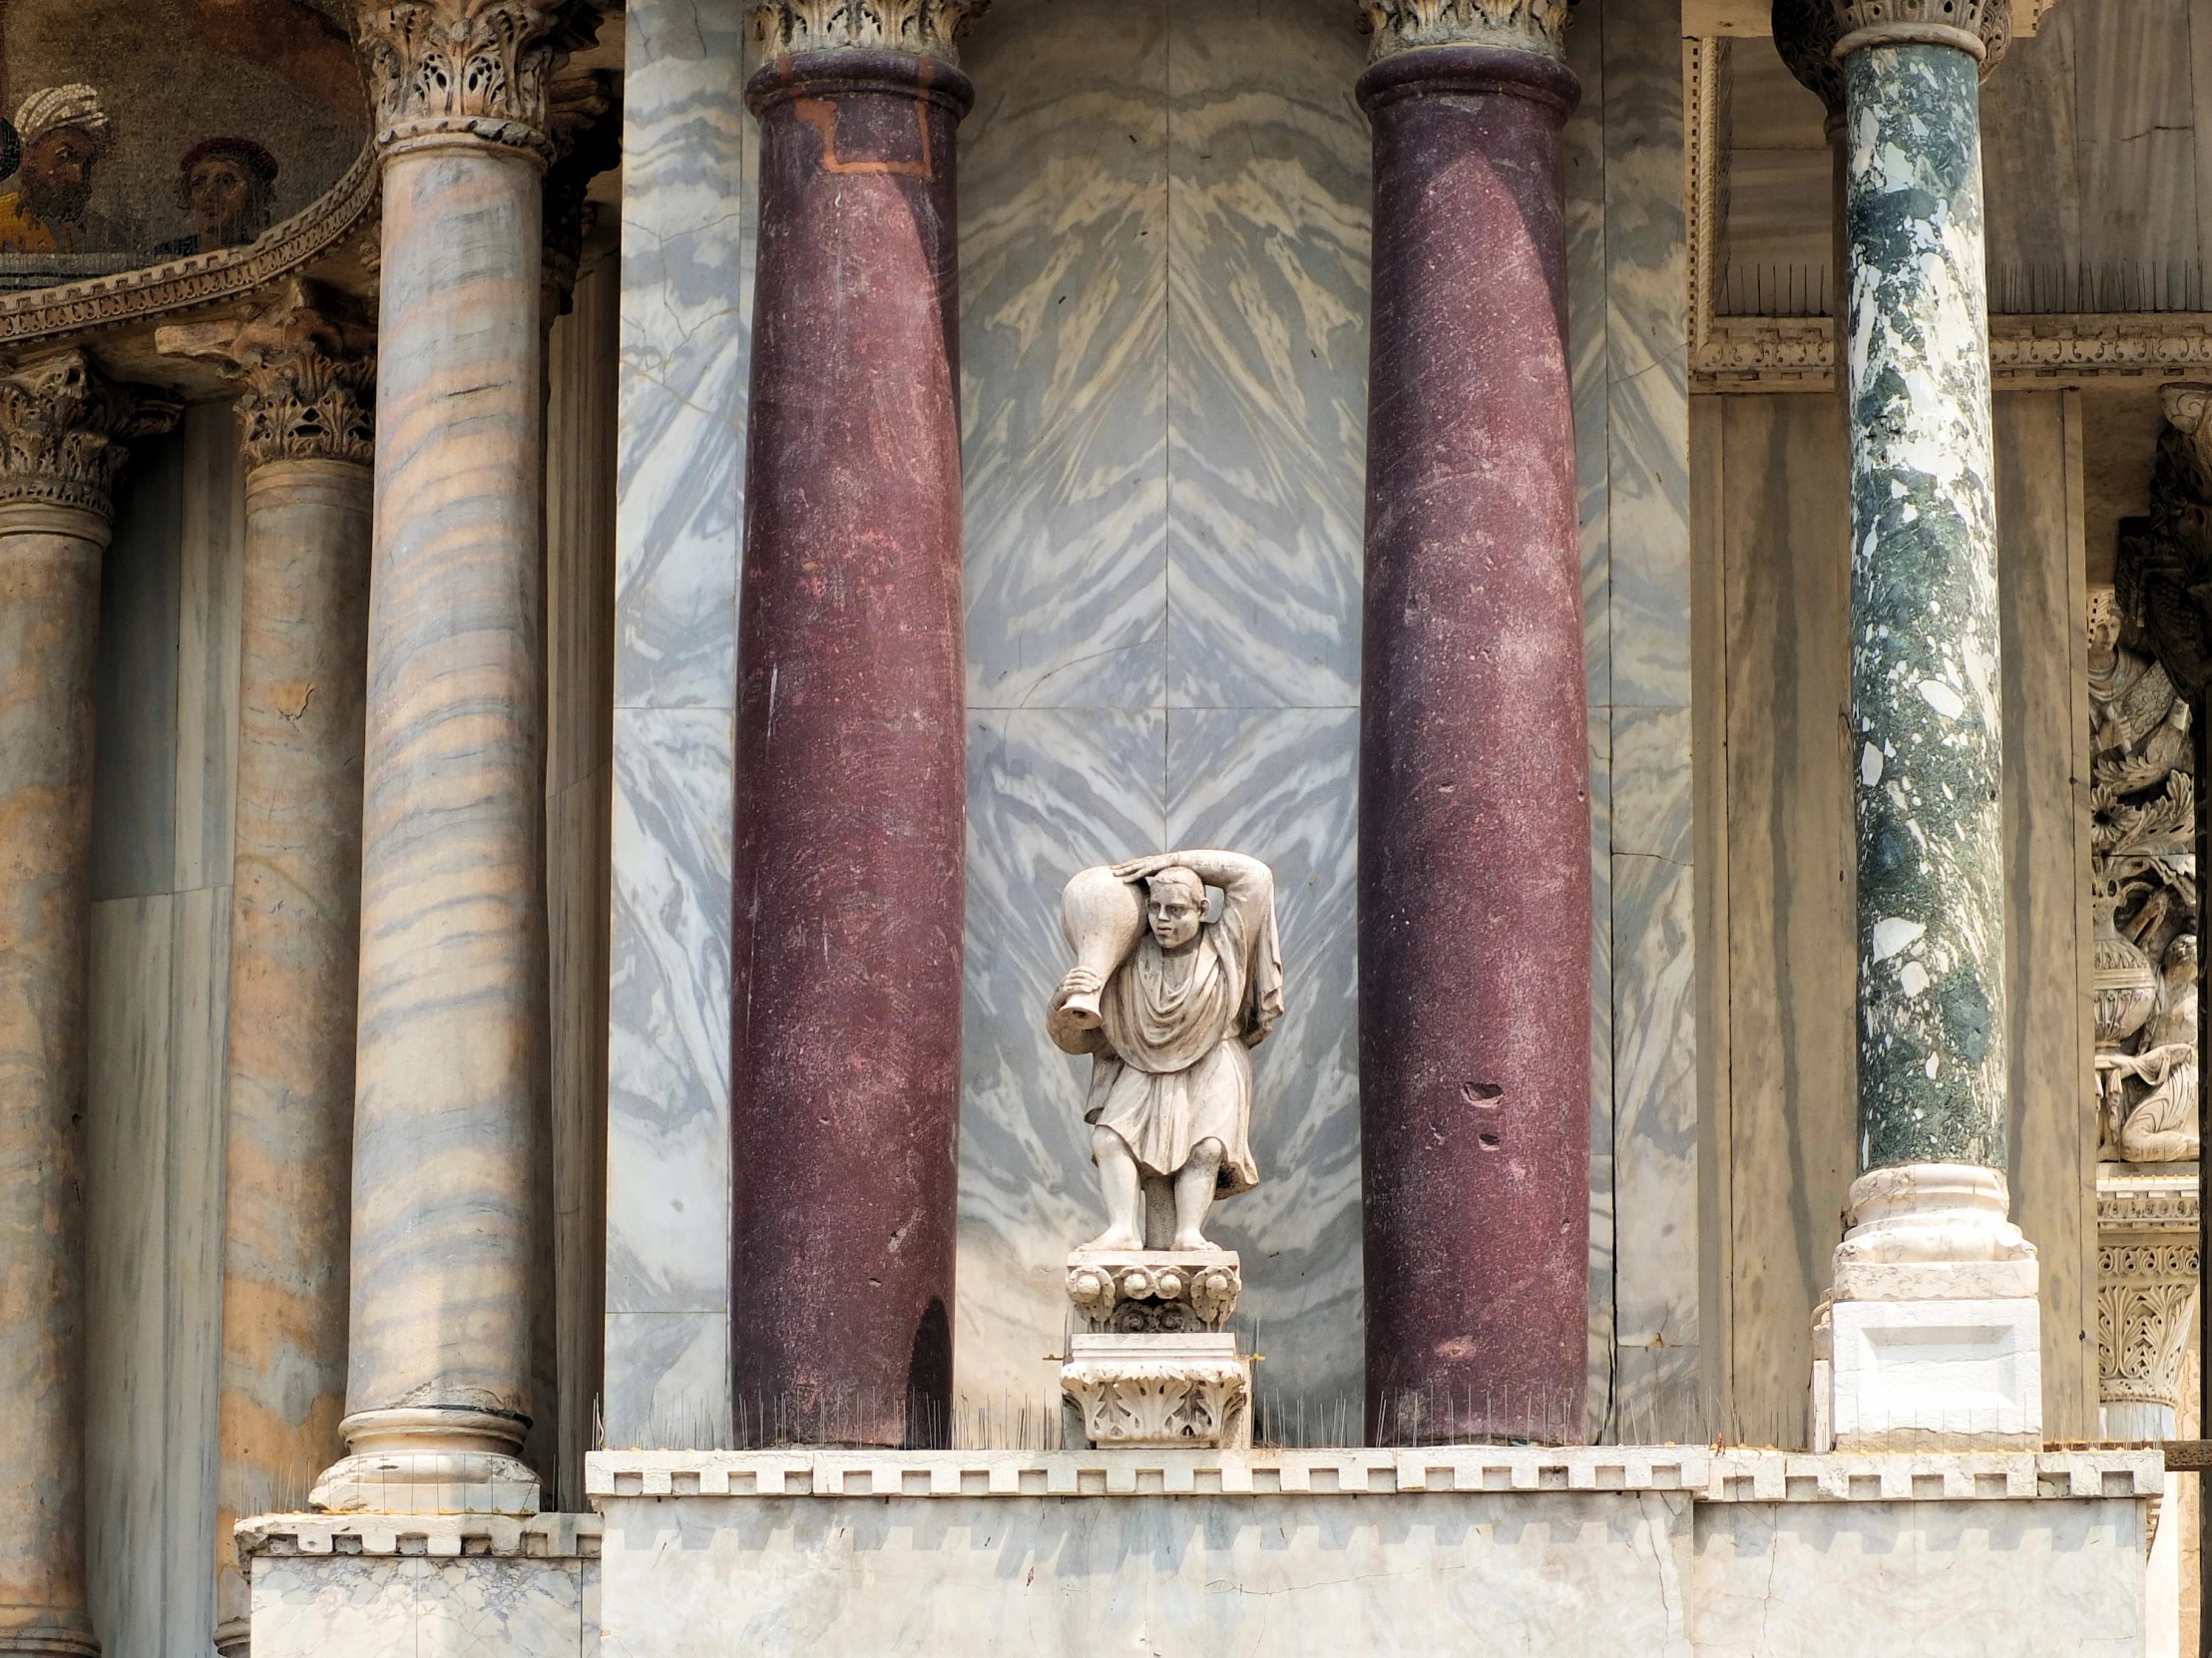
point(1933, 1373)
point(1466, 1550)
point(1183, 1390)
point(373, 1585)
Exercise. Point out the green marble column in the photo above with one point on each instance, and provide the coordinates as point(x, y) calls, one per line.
point(1913, 347)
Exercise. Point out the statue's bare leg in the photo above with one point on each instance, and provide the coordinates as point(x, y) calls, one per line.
point(1195, 1194)
point(1122, 1190)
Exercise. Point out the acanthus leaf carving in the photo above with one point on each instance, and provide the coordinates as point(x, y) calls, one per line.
point(65, 428)
point(309, 385)
point(1521, 25)
point(479, 67)
point(924, 28)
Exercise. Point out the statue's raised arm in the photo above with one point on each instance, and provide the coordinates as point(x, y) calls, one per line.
point(1167, 1004)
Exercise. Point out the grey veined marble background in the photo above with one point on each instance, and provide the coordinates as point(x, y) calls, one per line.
point(1164, 272)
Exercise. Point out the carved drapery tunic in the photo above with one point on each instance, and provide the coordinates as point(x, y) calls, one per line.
point(1172, 1062)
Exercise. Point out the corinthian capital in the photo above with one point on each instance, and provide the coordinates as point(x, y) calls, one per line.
point(308, 386)
point(64, 427)
point(1815, 36)
point(920, 28)
point(472, 68)
point(1538, 26)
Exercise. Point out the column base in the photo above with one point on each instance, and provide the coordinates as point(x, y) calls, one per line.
point(429, 1461)
point(46, 1632)
point(1932, 1338)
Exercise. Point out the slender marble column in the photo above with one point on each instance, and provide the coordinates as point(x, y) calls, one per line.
point(295, 909)
point(62, 433)
point(447, 1095)
point(850, 743)
point(1474, 878)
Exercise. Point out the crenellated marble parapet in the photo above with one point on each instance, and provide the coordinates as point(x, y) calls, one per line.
point(922, 28)
point(472, 69)
point(65, 430)
point(1538, 26)
point(307, 383)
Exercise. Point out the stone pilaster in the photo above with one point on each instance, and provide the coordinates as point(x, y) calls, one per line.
point(64, 437)
point(305, 403)
point(1475, 874)
point(447, 1089)
point(1927, 1237)
point(851, 739)
point(2149, 1230)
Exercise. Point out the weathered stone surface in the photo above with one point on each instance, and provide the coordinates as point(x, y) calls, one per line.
point(851, 760)
point(452, 895)
point(1924, 618)
point(1474, 878)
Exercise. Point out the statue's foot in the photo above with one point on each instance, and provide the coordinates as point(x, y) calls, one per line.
point(1192, 1239)
point(1116, 1237)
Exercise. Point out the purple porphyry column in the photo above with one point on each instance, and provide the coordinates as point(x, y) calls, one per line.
point(1475, 873)
point(851, 752)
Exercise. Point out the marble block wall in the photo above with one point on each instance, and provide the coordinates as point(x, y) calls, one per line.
point(1165, 243)
point(161, 976)
point(1631, 424)
point(686, 304)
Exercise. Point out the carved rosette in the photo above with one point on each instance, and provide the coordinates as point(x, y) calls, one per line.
point(65, 430)
point(1188, 1402)
point(1538, 26)
point(482, 69)
point(1153, 1292)
point(920, 28)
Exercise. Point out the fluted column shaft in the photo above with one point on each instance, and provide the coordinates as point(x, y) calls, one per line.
point(851, 772)
point(58, 463)
point(295, 914)
point(446, 1097)
point(1475, 874)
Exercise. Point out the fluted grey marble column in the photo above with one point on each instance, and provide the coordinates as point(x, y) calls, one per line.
point(295, 908)
point(62, 434)
point(446, 1086)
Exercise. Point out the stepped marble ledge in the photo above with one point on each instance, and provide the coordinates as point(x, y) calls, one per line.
point(1708, 1475)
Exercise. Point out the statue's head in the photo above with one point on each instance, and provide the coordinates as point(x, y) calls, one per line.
point(2104, 621)
point(1175, 906)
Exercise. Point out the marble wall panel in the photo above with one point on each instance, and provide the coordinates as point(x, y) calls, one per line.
point(369, 1606)
point(686, 321)
point(1063, 257)
point(1269, 220)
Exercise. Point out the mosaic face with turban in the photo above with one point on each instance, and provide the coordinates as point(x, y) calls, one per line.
point(65, 134)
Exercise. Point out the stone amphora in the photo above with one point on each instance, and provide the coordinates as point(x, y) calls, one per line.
point(1103, 918)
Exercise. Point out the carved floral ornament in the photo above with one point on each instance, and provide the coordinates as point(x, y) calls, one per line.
point(308, 388)
point(473, 68)
point(1521, 25)
point(922, 28)
point(64, 428)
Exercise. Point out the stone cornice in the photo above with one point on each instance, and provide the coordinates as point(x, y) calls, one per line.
point(64, 427)
point(921, 28)
point(476, 69)
point(1538, 26)
point(1797, 353)
point(308, 387)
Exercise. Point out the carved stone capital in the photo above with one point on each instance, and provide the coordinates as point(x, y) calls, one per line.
point(587, 140)
point(1538, 26)
point(481, 69)
point(1815, 36)
point(64, 431)
point(921, 28)
point(308, 382)
point(1153, 1291)
point(1190, 1391)
point(2147, 1267)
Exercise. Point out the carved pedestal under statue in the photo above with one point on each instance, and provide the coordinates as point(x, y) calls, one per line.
point(1168, 1005)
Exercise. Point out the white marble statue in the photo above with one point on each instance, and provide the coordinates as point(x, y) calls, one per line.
point(1168, 1005)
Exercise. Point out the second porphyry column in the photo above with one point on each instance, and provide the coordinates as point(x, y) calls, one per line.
point(851, 744)
point(1475, 863)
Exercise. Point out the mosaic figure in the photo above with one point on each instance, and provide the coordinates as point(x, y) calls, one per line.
point(227, 184)
point(65, 135)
